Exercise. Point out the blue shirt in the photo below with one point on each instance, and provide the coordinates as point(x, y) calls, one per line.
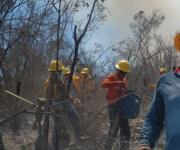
point(164, 112)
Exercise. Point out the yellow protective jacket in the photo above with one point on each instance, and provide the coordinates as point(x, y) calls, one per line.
point(87, 86)
point(83, 87)
point(77, 84)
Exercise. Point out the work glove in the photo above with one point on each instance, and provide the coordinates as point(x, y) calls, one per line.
point(41, 101)
point(144, 148)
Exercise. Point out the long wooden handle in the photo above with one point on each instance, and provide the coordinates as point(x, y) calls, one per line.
point(23, 99)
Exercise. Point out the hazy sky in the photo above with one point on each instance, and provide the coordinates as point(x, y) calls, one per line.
point(117, 26)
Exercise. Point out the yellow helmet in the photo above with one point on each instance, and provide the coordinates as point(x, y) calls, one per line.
point(123, 65)
point(53, 66)
point(66, 70)
point(163, 70)
point(177, 42)
point(85, 71)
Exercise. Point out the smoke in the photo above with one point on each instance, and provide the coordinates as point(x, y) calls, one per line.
point(122, 12)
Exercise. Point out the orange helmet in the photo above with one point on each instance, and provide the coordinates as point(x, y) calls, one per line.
point(177, 42)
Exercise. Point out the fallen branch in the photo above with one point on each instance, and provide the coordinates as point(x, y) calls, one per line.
point(14, 115)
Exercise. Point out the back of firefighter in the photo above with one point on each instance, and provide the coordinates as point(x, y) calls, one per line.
point(116, 83)
point(84, 84)
point(55, 89)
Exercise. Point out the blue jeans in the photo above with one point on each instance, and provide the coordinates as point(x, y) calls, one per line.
point(74, 120)
point(73, 117)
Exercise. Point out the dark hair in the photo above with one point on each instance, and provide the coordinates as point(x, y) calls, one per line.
point(122, 72)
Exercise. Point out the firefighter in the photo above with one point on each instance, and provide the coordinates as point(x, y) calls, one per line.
point(55, 89)
point(116, 83)
point(84, 81)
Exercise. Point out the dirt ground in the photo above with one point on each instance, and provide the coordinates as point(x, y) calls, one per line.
point(27, 136)
point(94, 129)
